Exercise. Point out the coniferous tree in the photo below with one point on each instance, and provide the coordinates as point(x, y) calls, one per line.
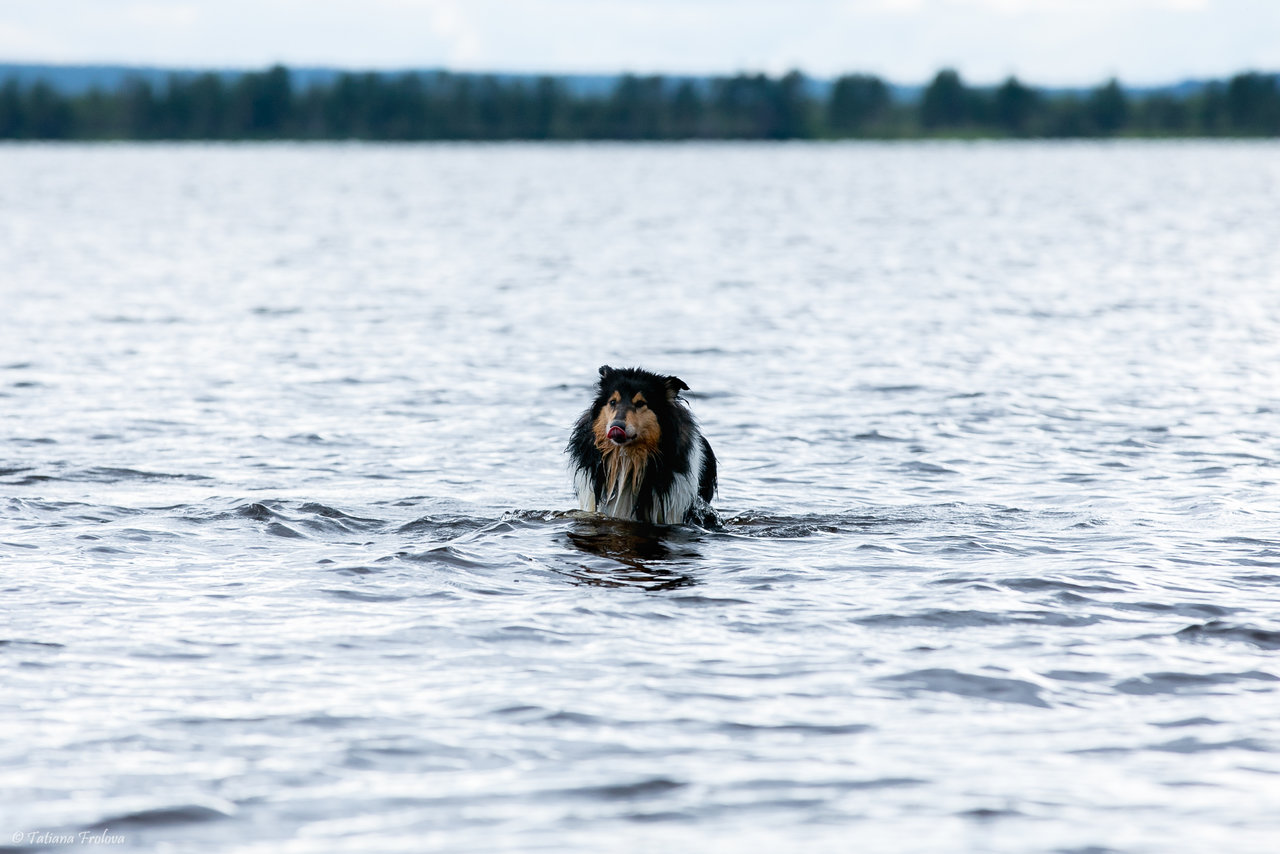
point(858, 102)
point(440, 105)
point(1015, 107)
point(945, 102)
point(1253, 104)
point(1108, 108)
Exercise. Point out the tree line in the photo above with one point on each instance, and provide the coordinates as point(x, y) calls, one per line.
point(445, 106)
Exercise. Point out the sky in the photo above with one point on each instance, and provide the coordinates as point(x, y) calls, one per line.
point(1044, 42)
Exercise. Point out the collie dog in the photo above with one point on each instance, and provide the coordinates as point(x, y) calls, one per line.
point(637, 453)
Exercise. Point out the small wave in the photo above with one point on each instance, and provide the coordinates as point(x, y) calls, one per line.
point(1076, 675)
point(1200, 721)
point(1182, 609)
point(362, 596)
point(1188, 683)
point(628, 791)
point(768, 526)
point(921, 467)
point(445, 527)
point(1218, 630)
point(877, 436)
point(534, 516)
point(837, 785)
point(947, 681)
point(894, 389)
point(1036, 585)
point(939, 618)
point(448, 555)
point(109, 474)
point(37, 510)
point(257, 512)
point(797, 729)
point(629, 575)
point(276, 529)
point(29, 643)
point(162, 816)
point(285, 521)
point(1191, 744)
point(330, 518)
point(987, 813)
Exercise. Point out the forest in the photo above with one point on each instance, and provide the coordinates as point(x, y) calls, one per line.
point(268, 104)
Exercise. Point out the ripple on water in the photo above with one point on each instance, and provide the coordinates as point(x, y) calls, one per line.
point(996, 568)
point(945, 680)
point(1219, 630)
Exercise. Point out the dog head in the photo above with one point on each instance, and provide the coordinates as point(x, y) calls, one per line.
point(630, 409)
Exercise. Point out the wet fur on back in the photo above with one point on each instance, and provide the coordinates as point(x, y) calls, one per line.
point(637, 452)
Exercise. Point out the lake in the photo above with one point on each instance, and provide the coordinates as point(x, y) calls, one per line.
point(289, 556)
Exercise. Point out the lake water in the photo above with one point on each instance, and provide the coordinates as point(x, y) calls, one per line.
point(288, 560)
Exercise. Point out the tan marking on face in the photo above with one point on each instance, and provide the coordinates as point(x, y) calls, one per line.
point(625, 464)
point(600, 427)
point(647, 433)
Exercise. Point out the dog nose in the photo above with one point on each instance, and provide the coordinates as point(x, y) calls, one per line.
point(617, 433)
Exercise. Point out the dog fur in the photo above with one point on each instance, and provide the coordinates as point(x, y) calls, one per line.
point(637, 452)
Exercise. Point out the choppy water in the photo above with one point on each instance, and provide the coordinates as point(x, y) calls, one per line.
point(285, 556)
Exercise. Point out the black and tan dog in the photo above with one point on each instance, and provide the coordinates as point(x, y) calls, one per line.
point(637, 453)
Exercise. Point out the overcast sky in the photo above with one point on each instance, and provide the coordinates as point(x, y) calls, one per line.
point(1047, 42)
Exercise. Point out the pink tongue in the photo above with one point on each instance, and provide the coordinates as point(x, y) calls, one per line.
point(617, 434)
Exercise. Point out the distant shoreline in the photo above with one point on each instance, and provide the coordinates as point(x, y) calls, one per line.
point(329, 105)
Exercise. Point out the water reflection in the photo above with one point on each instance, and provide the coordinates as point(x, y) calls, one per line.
point(636, 554)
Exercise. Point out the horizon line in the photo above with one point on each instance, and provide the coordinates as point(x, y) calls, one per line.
point(438, 69)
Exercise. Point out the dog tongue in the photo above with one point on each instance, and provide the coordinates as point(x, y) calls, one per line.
point(617, 434)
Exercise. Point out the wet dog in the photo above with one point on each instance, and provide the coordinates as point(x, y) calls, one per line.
point(637, 452)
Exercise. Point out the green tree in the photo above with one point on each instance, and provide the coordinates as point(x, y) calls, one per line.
point(686, 111)
point(635, 109)
point(261, 104)
point(1163, 114)
point(208, 98)
point(1253, 104)
point(1015, 107)
point(790, 113)
point(549, 110)
point(945, 102)
point(858, 102)
point(12, 111)
point(1108, 108)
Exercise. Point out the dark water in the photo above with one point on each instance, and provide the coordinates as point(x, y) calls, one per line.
point(286, 556)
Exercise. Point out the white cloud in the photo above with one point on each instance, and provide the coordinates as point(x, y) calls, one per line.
point(452, 26)
point(1042, 41)
point(30, 43)
point(1026, 7)
point(165, 16)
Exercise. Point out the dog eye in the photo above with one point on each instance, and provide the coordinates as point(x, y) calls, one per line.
point(639, 404)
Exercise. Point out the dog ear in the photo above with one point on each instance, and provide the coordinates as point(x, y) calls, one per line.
point(674, 385)
point(605, 370)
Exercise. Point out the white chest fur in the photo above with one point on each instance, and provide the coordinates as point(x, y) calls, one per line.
point(620, 492)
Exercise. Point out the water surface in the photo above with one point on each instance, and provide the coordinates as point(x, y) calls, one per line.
point(287, 560)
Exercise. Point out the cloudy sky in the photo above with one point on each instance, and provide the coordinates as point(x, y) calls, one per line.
point(1048, 42)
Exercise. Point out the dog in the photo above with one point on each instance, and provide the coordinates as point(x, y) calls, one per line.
point(638, 454)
